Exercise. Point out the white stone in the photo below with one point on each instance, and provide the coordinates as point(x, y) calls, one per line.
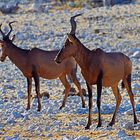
point(136, 86)
point(82, 138)
point(64, 138)
point(1, 126)
point(82, 122)
point(20, 95)
point(136, 54)
point(49, 135)
point(7, 138)
point(17, 115)
point(129, 112)
point(121, 133)
point(11, 121)
point(129, 126)
point(128, 138)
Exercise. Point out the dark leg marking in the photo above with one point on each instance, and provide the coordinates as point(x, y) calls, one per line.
point(29, 85)
point(99, 91)
point(37, 86)
point(89, 87)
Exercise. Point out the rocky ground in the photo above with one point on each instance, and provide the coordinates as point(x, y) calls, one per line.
point(113, 29)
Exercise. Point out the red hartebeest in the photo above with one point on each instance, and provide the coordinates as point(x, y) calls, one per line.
point(37, 63)
point(100, 68)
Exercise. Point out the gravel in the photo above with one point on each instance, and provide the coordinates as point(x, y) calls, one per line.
point(113, 29)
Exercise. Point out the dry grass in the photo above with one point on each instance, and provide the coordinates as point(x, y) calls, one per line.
point(123, 18)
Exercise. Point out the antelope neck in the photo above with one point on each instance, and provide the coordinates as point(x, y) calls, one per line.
point(17, 55)
point(81, 55)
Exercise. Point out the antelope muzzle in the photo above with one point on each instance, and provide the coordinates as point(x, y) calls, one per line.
point(2, 59)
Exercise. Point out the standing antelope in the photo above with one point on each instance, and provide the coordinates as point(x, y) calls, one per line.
point(100, 68)
point(39, 63)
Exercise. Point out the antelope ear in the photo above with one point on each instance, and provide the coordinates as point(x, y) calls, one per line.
point(70, 37)
point(13, 38)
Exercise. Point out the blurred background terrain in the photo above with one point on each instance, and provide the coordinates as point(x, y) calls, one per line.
point(113, 25)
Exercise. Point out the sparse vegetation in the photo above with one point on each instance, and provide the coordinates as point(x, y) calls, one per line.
point(112, 29)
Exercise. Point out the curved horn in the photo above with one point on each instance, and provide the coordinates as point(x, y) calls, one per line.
point(11, 29)
point(73, 24)
point(2, 31)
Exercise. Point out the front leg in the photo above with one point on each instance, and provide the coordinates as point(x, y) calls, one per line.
point(99, 91)
point(37, 88)
point(66, 91)
point(29, 85)
point(89, 87)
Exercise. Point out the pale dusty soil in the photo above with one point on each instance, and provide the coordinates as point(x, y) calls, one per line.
point(119, 30)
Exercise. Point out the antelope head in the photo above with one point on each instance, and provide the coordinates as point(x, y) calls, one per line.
point(69, 49)
point(4, 43)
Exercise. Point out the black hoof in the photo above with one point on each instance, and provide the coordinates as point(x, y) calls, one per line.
point(28, 108)
point(83, 106)
point(110, 124)
point(39, 109)
point(87, 127)
point(136, 121)
point(99, 125)
point(61, 107)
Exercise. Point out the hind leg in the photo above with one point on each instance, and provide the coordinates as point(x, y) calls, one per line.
point(76, 82)
point(37, 88)
point(99, 92)
point(90, 104)
point(29, 84)
point(127, 83)
point(67, 89)
point(118, 101)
